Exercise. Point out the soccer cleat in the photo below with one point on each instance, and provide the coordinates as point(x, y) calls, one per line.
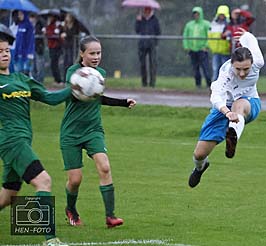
point(231, 141)
point(113, 222)
point(195, 176)
point(54, 242)
point(73, 218)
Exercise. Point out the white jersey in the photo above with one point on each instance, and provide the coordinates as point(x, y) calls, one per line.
point(229, 87)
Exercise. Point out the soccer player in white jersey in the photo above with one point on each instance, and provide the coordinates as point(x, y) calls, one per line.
point(235, 102)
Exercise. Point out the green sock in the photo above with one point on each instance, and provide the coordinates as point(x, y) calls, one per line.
point(71, 199)
point(108, 199)
point(45, 193)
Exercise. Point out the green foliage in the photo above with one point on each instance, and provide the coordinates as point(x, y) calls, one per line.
point(150, 149)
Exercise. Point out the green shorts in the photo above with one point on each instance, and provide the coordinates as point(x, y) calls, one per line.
point(72, 155)
point(16, 160)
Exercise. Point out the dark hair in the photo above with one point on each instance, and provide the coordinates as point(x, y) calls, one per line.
point(240, 54)
point(3, 38)
point(84, 41)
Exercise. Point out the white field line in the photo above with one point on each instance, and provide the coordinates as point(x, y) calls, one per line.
point(122, 242)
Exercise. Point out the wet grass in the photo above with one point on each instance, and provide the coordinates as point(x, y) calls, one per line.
point(150, 149)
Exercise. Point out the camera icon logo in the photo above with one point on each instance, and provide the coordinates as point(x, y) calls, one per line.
point(32, 214)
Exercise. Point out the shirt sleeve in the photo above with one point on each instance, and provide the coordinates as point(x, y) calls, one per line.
point(113, 101)
point(220, 87)
point(249, 41)
point(40, 93)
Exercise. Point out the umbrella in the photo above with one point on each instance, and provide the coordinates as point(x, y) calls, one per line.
point(24, 5)
point(141, 3)
point(82, 25)
point(7, 33)
point(46, 12)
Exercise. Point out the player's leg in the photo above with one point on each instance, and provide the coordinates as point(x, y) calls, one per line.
point(72, 190)
point(212, 132)
point(8, 191)
point(11, 183)
point(247, 110)
point(107, 189)
point(72, 156)
point(200, 159)
point(30, 169)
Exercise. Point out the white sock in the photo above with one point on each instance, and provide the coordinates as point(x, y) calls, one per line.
point(239, 127)
point(200, 163)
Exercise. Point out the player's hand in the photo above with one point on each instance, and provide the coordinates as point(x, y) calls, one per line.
point(131, 103)
point(232, 116)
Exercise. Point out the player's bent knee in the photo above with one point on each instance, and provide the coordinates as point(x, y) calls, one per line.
point(74, 181)
point(199, 155)
point(42, 182)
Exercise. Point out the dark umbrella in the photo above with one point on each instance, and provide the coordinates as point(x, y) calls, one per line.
point(6, 33)
point(82, 25)
point(24, 5)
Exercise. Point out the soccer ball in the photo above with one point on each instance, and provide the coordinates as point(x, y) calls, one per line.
point(89, 81)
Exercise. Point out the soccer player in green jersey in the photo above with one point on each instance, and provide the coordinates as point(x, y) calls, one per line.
point(20, 163)
point(82, 129)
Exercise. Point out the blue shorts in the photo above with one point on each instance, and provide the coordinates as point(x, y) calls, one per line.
point(215, 124)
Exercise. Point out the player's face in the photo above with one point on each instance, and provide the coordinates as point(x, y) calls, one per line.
point(92, 55)
point(4, 56)
point(242, 68)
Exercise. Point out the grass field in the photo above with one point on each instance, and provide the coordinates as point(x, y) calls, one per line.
point(163, 83)
point(150, 149)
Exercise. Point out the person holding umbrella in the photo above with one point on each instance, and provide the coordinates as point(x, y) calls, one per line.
point(147, 24)
point(20, 163)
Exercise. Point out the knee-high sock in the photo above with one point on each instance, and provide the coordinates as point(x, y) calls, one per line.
point(200, 163)
point(108, 199)
point(239, 127)
point(71, 199)
point(46, 194)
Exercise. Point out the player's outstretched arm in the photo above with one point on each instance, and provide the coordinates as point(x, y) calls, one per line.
point(129, 103)
point(40, 93)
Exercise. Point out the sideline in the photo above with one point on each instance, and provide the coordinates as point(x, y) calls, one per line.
point(122, 242)
point(169, 98)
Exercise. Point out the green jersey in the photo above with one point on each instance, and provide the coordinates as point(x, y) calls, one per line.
point(16, 90)
point(80, 119)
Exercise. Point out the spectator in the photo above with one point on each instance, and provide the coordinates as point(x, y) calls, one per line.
point(70, 40)
point(239, 18)
point(25, 44)
point(53, 31)
point(195, 42)
point(38, 60)
point(220, 47)
point(147, 24)
point(4, 17)
point(14, 28)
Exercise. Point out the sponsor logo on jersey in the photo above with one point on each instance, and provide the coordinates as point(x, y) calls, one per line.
point(16, 94)
point(3, 86)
